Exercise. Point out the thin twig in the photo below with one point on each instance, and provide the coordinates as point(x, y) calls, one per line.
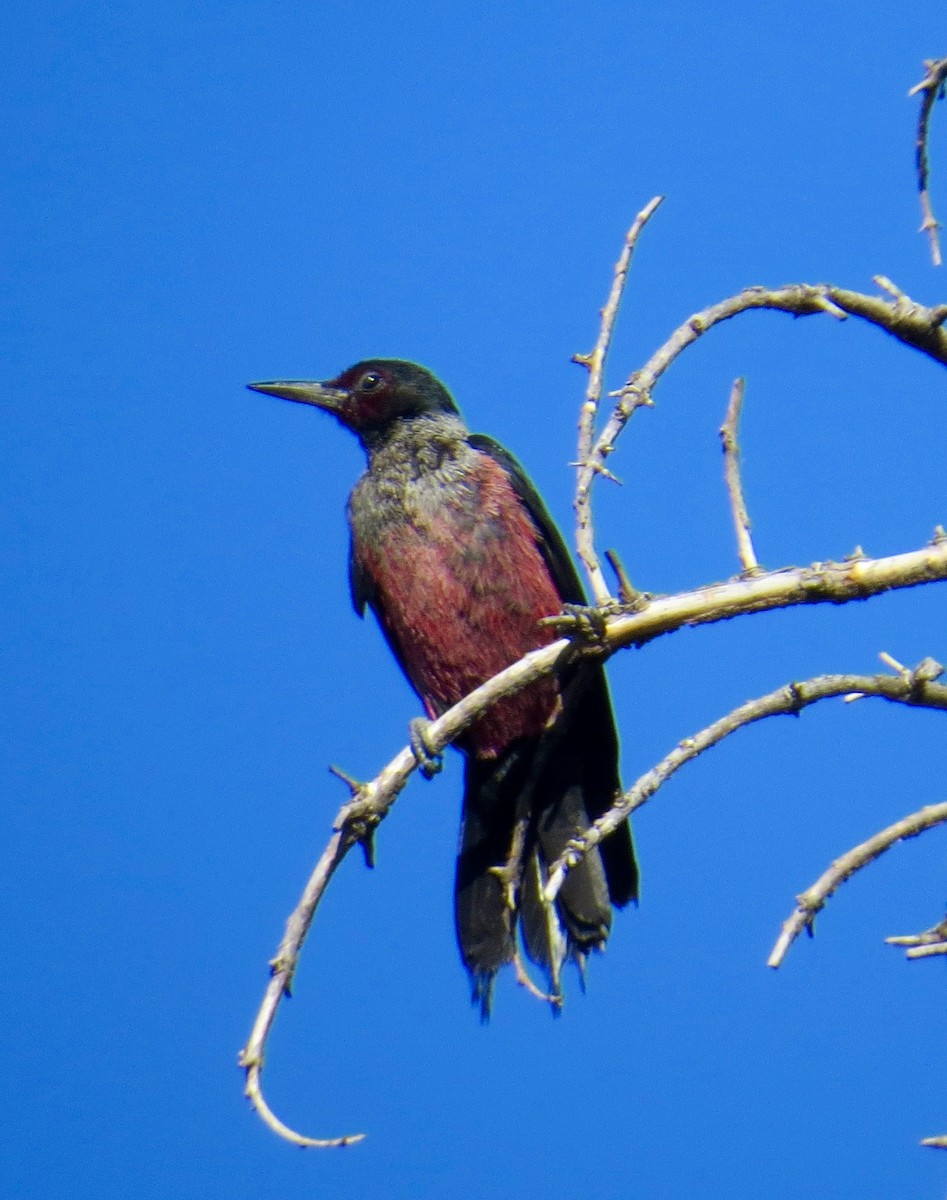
point(628, 594)
point(790, 699)
point(932, 87)
point(729, 432)
point(595, 362)
point(927, 951)
point(813, 899)
point(524, 979)
point(923, 945)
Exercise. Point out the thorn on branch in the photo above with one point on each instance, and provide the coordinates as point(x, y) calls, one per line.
point(828, 305)
point(354, 786)
point(928, 670)
point(630, 397)
point(362, 830)
point(628, 595)
point(600, 468)
point(281, 966)
point(892, 289)
point(367, 843)
point(898, 667)
point(357, 822)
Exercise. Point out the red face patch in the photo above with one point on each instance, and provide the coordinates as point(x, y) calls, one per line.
point(371, 395)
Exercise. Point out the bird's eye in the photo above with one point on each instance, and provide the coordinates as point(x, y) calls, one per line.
point(369, 381)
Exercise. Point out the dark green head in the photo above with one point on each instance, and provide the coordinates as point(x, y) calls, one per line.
point(369, 397)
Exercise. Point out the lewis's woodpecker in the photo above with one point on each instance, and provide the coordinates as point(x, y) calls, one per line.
point(454, 551)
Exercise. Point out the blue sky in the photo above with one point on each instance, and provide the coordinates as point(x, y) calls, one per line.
point(200, 195)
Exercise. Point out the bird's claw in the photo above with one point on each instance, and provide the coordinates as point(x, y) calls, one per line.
point(429, 761)
point(587, 624)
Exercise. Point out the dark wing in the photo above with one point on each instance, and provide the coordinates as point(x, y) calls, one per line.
point(593, 722)
point(360, 583)
point(551, 545)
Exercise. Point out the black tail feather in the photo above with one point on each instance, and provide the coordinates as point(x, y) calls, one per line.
point(583, 902)
point(486, 925)
point(545, 788)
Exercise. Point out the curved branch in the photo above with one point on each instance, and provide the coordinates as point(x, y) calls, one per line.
point(282, 969)
point(813, 899)
point(911, 323)
point(932, 86)
point(912, 687)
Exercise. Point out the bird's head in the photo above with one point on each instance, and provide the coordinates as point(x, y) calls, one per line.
point(369, 397)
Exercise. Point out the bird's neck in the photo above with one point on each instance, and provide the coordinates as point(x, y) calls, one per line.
point(418, 445)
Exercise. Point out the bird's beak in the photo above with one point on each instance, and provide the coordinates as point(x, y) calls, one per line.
point(304, 391)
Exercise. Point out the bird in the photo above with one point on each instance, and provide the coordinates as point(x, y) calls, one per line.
point(455, 553)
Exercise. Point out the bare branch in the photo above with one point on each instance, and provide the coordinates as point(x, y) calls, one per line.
point(355, 822)
point(729, 431)
point(832, 583)
point(919, 690)
point(272, 1121)
point(282, 969)
point(932, 87)
point(595, 362)
point(814, 898)
point(902, 317)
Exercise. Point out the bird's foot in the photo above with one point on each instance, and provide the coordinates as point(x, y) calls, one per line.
point(509, 879)
point(429, 761)
point(585, 624)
